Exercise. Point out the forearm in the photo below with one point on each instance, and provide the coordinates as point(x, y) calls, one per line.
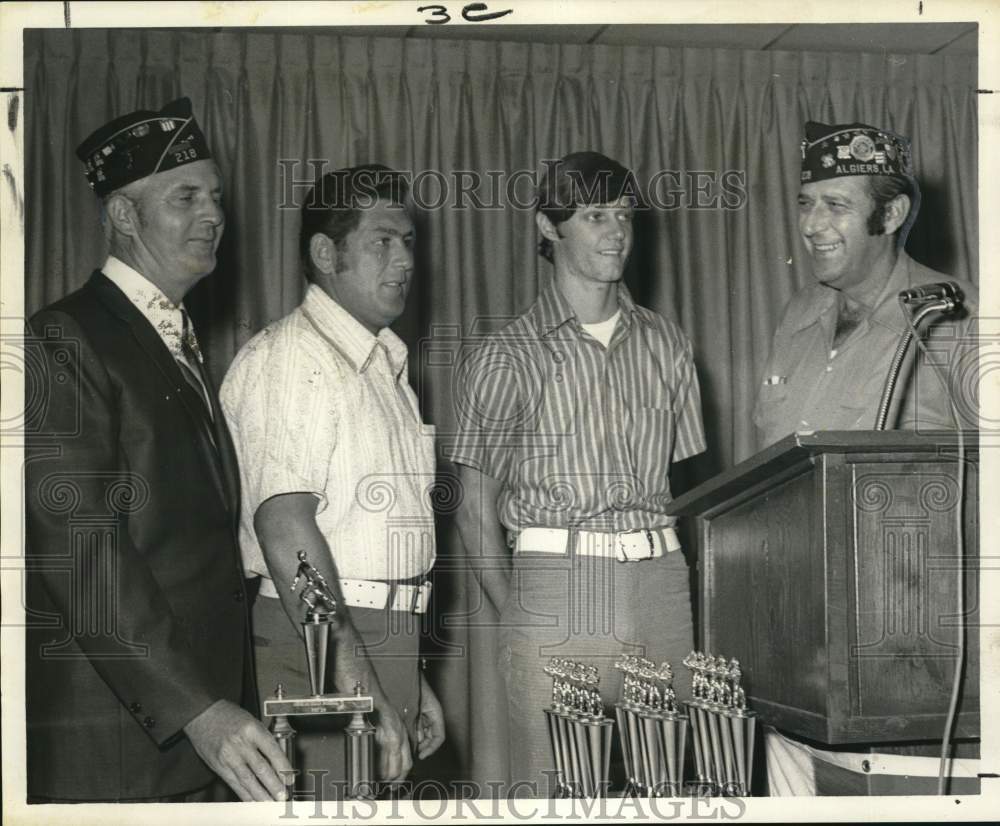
point(286, 525)
point(483, 535)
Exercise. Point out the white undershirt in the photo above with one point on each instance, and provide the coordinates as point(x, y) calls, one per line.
point(603, 330)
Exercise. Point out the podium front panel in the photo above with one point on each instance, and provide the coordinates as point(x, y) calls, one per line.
point(835, 584)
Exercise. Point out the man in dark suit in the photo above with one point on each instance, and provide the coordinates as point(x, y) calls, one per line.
point(139, 677)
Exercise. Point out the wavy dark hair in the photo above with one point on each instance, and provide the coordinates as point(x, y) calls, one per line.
point(580, 179)
point(338, 199)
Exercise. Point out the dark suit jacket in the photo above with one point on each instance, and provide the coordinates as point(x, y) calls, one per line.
point(137, 612)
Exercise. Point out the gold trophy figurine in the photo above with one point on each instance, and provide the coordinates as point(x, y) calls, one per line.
point(319, 620)
point(742, 728)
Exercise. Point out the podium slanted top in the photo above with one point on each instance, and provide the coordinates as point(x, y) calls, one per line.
point(796, 452)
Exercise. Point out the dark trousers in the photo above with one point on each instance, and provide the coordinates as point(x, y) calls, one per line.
point(591, 610)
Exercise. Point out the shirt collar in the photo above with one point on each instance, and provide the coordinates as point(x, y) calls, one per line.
point(552, 310)
point(165, 316)
point(825, 298)
point(349, 336)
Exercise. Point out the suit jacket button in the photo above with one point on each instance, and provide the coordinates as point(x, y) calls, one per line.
point(135, 708)
point(238, 595)
point(149, 722)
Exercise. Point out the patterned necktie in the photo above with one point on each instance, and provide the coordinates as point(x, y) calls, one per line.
point(191, 366)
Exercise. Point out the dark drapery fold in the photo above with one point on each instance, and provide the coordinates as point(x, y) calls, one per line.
point(271, 102)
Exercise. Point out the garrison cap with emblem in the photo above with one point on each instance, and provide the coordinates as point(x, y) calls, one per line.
point(142, 143)
point(853, 149)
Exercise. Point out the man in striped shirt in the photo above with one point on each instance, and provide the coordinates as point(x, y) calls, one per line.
point(569, 418)
point(335, 460)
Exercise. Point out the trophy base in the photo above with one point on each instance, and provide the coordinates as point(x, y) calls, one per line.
point(320, 704)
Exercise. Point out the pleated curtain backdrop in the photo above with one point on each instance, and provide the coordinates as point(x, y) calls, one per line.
point(271, 101)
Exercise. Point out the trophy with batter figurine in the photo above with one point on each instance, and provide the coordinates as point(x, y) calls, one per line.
point(723, 728)
point(319, 623)
point(653, 729)
point(579, 733)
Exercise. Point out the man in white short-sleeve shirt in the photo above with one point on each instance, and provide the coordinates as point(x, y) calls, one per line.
point(335, 461)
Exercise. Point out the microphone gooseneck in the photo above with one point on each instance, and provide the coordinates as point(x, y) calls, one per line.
point(943, 297)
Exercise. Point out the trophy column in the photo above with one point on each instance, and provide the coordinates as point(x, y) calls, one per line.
point(579, 733)
point(360, 754)
point(320, 619)
point(653, 730)
point(723, 729)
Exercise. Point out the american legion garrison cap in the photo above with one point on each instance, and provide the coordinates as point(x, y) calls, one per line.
point(142, 143)
point(853, 149)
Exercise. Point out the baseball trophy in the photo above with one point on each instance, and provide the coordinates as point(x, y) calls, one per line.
point(653, 730)
point(320, 620)
point(631, 731)
point(742, 728)
point(722, 727)
point(579, 733)
point(669, 726)
point(704, 770)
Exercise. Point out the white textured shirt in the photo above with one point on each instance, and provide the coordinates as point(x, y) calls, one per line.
point(317, 404)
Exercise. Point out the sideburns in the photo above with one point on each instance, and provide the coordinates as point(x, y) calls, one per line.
point(876, 221)
point(340, 265)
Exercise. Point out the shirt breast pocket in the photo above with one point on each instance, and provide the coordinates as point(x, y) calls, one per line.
point(771, 403)
point(858, 402)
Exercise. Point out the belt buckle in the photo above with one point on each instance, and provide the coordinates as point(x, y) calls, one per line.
point(420, 593)
point(396, 591)
point(622, 553)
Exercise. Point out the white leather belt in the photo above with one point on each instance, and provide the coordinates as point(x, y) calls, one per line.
point(369, 593)
point(626, 546)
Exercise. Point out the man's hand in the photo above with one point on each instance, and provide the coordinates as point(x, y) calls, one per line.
point(238, 748)
point(430, 722)
point(395, 760)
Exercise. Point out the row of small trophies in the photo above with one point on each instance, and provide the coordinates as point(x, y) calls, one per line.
point(579, 732)
point(722, 728)
point(653, 727)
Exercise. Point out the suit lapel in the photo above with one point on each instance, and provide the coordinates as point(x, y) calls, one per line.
point(152, 345)
point(226, 451)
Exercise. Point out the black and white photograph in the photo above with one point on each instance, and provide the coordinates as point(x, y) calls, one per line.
point(502, 410)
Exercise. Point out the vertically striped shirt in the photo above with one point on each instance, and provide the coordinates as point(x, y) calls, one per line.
point(317, 404)
point(579, 435)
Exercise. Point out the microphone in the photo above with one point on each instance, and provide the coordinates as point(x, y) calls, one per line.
point(933, 292)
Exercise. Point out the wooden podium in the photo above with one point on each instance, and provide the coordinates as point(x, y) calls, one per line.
point(829, 567)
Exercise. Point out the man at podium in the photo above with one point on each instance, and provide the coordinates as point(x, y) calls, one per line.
point(829, 360)
point(831, 352)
